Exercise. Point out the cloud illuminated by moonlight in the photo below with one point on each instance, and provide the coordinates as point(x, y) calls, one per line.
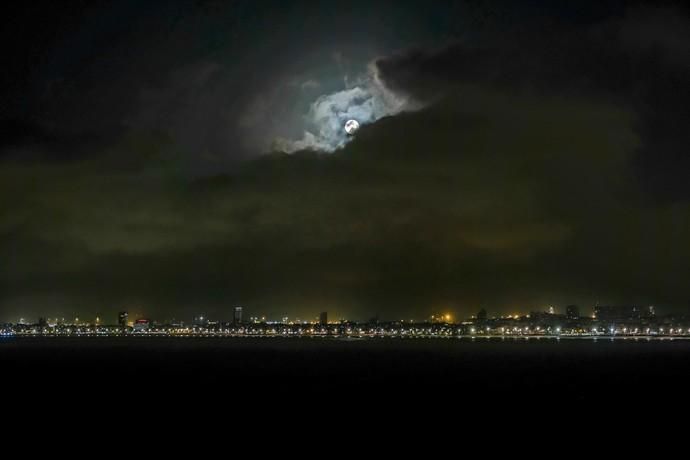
point(366, 101)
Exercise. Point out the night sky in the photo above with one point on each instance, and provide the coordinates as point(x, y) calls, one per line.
point(176, 158)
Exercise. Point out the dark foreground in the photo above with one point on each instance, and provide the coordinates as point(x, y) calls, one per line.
point(466, 372)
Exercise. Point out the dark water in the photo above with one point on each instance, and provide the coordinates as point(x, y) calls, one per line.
point(413, 371)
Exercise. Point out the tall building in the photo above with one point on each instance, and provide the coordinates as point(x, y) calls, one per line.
point(572, 312)
point(122, 318)
point(481, 316)
point(237, 316)
point(323, 318)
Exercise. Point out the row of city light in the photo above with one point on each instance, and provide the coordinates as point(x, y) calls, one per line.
point(343, 331)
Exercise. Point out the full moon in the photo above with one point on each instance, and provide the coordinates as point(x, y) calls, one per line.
point(351, 127)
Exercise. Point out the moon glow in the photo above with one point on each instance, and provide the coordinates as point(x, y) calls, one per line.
point(351, 127)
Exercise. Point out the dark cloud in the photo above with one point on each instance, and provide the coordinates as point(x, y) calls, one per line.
point(635, 61)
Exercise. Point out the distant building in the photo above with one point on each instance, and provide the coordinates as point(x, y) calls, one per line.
point(572, 312)
point(122, 319)
point(618, 312)
point(200, 321)
point(481, 316)
point(142, 325)
point(323, 318)
point(237, 316)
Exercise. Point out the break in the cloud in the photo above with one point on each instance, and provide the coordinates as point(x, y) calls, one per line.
point(367, 100)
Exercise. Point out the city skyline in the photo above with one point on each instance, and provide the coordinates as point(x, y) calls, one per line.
point(237, 313)
point(607, 321)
